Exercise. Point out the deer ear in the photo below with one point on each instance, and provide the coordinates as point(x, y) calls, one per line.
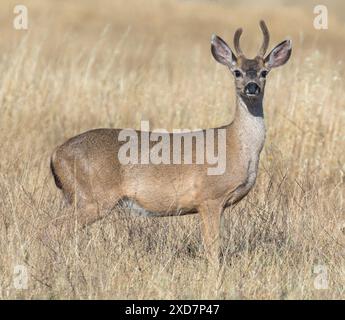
point(279, 55)
point(221, 51)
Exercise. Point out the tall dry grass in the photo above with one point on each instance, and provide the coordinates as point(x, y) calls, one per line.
point(87, 64)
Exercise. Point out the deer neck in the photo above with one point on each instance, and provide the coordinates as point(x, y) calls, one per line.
point(248, 129)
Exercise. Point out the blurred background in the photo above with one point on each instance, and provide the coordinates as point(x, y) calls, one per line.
point(85, 64)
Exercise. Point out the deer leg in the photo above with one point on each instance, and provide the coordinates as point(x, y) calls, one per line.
point(210, 213)
point(82, 216)
point(77, 218)
point(89, 213)
point(88, 204)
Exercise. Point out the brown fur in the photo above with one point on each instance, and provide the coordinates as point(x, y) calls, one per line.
point(87, 169)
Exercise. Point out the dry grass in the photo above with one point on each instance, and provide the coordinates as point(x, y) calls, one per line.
point(110, 64)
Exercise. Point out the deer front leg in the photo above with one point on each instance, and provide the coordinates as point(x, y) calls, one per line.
point(210, 213)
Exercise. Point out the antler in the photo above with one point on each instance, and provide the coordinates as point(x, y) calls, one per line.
point(237, 41)
point(266, 40)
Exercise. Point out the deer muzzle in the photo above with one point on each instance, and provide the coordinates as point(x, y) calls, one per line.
point(252, 89)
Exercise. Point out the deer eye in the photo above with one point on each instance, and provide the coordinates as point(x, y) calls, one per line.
point(263, 73)
point(238, 73)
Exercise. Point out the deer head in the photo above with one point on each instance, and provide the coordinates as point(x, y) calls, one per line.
point(250, 74)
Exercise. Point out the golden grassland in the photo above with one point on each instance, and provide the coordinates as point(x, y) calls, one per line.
point(88, 64)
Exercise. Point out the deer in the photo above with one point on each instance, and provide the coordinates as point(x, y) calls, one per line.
point(92, 179)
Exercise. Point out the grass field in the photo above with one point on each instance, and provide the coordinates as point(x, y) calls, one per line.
point(88, 64)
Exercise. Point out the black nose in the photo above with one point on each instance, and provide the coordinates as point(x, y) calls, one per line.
point(252, 88)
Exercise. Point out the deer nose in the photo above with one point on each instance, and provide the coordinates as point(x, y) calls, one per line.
point(252, 88)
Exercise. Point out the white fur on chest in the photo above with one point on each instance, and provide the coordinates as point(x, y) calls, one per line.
point(251, 135)
point(252, 131)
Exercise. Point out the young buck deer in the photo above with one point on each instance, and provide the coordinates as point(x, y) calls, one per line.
point(88, 170)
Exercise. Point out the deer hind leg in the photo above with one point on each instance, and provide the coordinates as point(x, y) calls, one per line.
point(84, 208)
point(92, 204)
point(211, 212)
point(83, 215)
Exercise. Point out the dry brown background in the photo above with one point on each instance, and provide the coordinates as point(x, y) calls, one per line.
point(85, 64)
